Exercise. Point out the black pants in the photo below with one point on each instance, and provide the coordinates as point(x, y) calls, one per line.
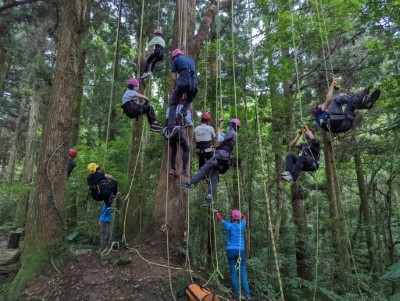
point(154, 58)
point(134, 110)
point(295, 164)
point(114, 189)
point(179, 138)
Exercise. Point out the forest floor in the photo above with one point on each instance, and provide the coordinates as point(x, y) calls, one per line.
point(120, 275)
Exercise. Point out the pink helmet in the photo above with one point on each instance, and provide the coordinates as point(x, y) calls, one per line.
point(236, 215)
point(133, 82)
point(158, 31)
point(176, 52)
point(235, 121)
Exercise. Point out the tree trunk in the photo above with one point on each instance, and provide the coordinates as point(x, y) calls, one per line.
point(45, 237)
point(299, 217)
point(365, 210)
point(14, 146)
point(175, 200)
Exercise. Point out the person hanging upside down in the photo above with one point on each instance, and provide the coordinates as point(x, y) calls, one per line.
point(175, 138)
point(157, 55)
point(133, 109)
point(186, 82)
point(307, 161)
point(219, 163)
point(235, 250)
point(330, 115)
point(204, 136)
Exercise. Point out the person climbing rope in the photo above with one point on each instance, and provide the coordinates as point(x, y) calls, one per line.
point(330, 115)
point(204, 136)
point(217, 164)
point(185, 83)
point(307, 161)
point(71, 162)
point(175, 138)
point(102, 187)
point(133, 109)
point(235, 250)
point(157, 55)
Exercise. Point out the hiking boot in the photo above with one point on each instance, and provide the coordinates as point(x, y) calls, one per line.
point(288, 178)
point(208, 201)
point(173, 172)
point(186, 185)
point(112, 209)
point(285, 173)
point(155, 128)
point(368, 102)
point(145, 75)
point(185, 173)
point(366, 91)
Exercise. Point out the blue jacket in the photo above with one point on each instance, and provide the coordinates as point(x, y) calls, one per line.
point(185, 67)
point(234, 234)
point(105, 215)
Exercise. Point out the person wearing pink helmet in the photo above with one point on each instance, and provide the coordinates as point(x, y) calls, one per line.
point(184, 80)
point(219, 163)
point(71, 162)
point(204, 136)
point(158, 45)
point(133, 109)
point(235, 249)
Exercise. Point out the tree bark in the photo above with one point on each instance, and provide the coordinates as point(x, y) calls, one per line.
point(45, 237)
point(365, 210)
point(14, 146)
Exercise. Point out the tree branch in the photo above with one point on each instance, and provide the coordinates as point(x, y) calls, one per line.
point(15, 3)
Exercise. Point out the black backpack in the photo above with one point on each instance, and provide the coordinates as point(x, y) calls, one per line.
point(101, 191)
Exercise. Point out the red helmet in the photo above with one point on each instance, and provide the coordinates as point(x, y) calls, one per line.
point(73, 153)
point(158, 31)
point(206, 116)
point(133, 81)
point(236, 215)
point(176, 52)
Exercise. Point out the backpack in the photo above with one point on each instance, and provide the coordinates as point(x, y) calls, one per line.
point(197, 293)
point(101, 191)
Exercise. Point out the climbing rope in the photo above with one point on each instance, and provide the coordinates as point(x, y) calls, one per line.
point(116, 50)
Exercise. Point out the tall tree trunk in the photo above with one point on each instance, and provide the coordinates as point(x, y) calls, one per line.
point(45, 236)
point(365, 210)
point(14, 145)
point(302, 237)
point(176, 198)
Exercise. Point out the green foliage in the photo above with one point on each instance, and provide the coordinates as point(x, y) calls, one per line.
point(393, 273)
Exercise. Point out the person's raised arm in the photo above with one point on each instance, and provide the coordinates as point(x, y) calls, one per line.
point(295, 142)
point(309, 132)
point(329, 96)
point(217, 215)
point(110, 177)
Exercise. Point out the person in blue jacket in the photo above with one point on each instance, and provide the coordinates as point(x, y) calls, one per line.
point(184, 79)
point(219, 163)
point(235, 250)
point(105, 227)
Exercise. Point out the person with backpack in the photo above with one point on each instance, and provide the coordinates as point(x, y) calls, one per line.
point(102, 187)
point(133, 109)
point(204, 136)
point(307, 161)
point(175, 138)
point(330, 115)
point(184, 80)
point(71, 162)
point(157, 55)
point(235, 250)
point(219, 163)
